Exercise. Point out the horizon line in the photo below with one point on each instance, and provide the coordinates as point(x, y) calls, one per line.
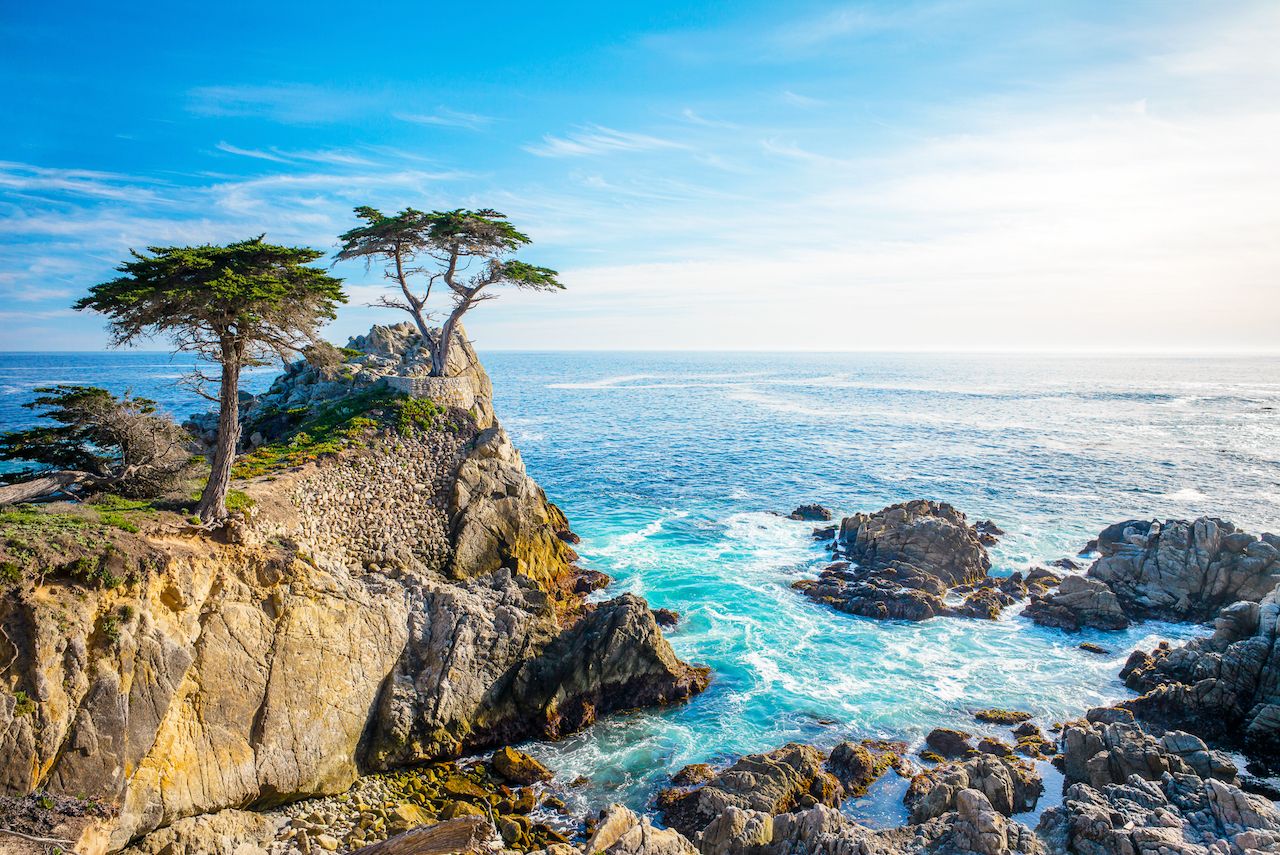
point(815, 351)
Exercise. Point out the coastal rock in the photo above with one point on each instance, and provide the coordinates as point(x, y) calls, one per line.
point(949, 743)
point(1224, 688)
point(1176, 570)
point(811, 513)
point(904, 561)
point(1077, 603)
point(1009, 784)
point(1127, 792)
point(776, 782)
point(621, 832)
point(858, 765)
point(931, 537)
point(228, 832)
point(518, 767)
point(1185, 570)
point(408, 597)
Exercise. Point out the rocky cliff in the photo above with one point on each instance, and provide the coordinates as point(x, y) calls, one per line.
point(398, 590)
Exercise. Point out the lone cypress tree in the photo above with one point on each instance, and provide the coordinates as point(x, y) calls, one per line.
point(455, 241)
point(236, 305)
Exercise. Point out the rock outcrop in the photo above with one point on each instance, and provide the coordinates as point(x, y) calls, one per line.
point(1009, 785)
point(914, 561)
point(1224, 687)
point(1176, 570)
point(777, 782)
point(1128, 793)
point(405, 595)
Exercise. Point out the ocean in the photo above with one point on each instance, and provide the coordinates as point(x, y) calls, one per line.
point(673, 468)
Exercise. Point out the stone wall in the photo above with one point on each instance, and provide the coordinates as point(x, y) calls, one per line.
point(446, 391)
point(383, 507)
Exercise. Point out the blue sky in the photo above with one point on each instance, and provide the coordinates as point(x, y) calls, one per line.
point(944, 175)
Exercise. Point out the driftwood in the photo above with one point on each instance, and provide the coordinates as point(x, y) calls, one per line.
point(42, 487)
point(461, 836)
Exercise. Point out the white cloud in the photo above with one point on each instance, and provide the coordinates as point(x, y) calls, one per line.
point(447, 118)
point(596, 140)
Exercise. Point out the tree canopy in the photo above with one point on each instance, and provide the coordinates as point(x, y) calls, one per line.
point(453, 241)
point(97, 440)
point(236, 305)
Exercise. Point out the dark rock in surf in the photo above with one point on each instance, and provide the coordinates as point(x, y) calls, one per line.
point(811, 513)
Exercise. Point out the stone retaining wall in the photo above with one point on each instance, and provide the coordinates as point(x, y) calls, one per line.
point(446, 391)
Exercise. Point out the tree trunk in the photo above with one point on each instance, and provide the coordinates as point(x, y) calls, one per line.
point(440, 356)
point(43, 487)
point(425, 331)
point(213, 501)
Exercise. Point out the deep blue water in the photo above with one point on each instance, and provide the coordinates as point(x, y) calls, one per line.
point(668, 466)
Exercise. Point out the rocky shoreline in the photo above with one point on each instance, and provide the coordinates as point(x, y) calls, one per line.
point(399, 599)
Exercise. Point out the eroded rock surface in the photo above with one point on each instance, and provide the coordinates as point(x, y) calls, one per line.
point(1176, 570)
point(1129, 793)
point(1225, 687)
point(903, 561)
point(441, 617)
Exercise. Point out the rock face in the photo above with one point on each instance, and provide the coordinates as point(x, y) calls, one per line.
point(1176, 571)
point(1009, 785)
point(782, 780)
point(906, 561)
point(1128, 793)
point(405, 599)
point(1225, 688)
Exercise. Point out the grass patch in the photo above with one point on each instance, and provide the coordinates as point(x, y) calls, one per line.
point(334, 426)
point(25, 705)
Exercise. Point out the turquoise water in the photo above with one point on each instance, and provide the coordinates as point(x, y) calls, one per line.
point(669, 466)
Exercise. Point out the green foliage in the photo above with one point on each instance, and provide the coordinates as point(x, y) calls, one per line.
point(122, 442)
point(109, 626)
point(24, 704)
point(351, 352)
point(238, 501)
point(325, 429)
point(252, 295)
point(418, 414)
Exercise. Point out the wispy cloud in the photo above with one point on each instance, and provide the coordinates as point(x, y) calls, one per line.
point(276, 155)
point(593, 140)
point(444, 117)
point(289, 103)
point(797, 100)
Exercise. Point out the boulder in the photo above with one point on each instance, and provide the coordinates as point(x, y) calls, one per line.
point(621, 832)
point(811, 513)
point(902, 562)
point(1077, 603)
point(1223, 688)
point(518, 767)
point(1011, 785)
point(776, 782)
point(949, 743)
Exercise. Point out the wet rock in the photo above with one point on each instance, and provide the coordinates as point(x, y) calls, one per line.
point(666, 617)
point(1223, 688)
point(1002, 716)
point(859, 765)
point(949, 743)
point(519, 767)
point(1090, 647)
point(811, 513)
point(693, 775)
point(988, 532)
point(776, 782)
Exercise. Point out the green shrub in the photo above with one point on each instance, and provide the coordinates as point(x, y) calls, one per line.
point(24, 705)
